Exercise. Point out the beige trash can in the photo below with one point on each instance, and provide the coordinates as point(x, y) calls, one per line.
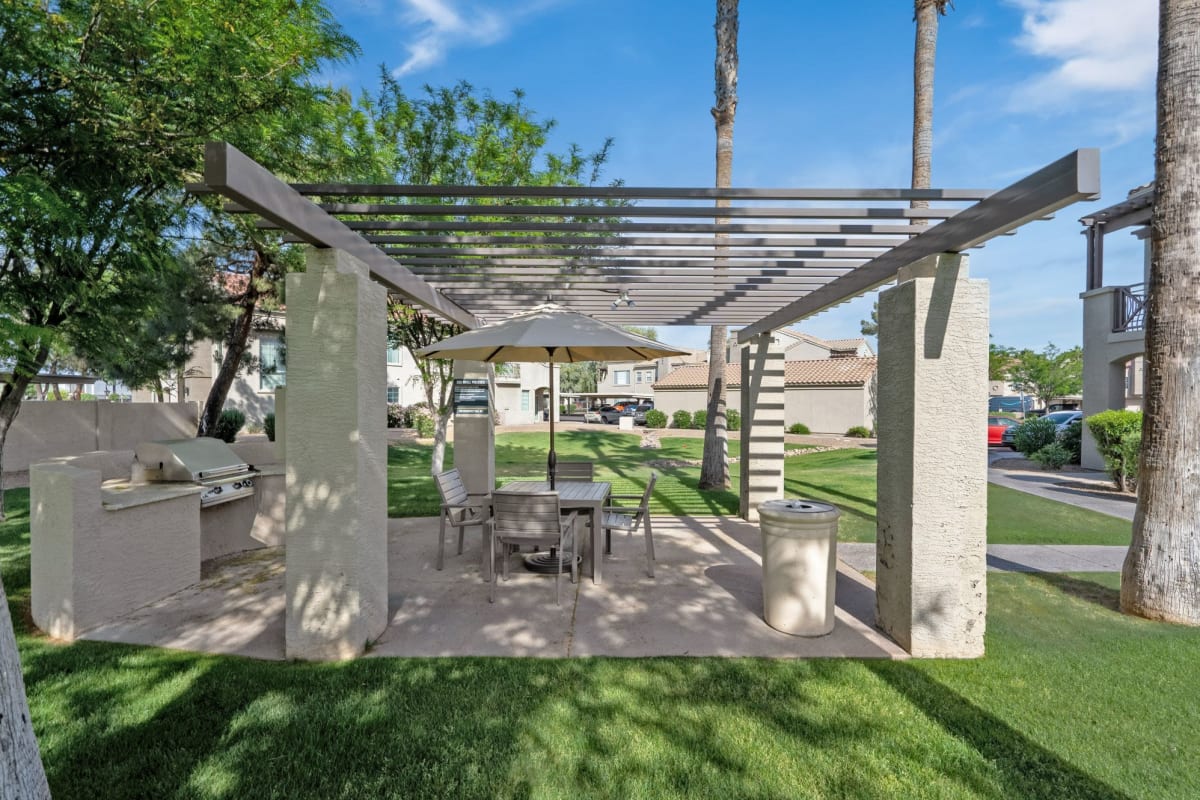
point(799, 565)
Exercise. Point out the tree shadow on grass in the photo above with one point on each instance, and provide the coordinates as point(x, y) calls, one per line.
point(1024, 768)
point(1089, 591)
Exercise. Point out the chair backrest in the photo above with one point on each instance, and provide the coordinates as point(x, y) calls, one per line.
point(451, 488)
point(526, 514)
point(649, 490)
point(573, 471)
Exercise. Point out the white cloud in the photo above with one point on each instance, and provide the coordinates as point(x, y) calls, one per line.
point(443, 25)
point(1100, 46)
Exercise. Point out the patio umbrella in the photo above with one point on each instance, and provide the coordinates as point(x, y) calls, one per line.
point(552, 334)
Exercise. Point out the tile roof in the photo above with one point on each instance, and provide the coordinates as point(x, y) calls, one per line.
point(845, 344)
point(818, 372)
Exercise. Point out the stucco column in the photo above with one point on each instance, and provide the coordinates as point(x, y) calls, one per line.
point(762, 400)
point(931, 537)
point(335, 445)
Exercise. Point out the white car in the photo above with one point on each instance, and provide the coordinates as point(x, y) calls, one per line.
point(592, 416)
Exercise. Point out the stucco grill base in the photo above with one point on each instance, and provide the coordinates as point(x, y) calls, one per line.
point(705, 601)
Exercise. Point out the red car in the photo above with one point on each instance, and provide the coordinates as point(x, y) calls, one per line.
point(996, 428)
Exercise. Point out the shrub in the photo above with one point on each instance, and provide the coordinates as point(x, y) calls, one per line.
point(858, 432)
point(1033, 434)
point(681, 419)
point(1072, 440)
point(395, 415)
point(269, 426)
point(424, 424)
point(656, 419)
point(1052, 456)
point(799, 428)
point(228, 424)
point(700, 420)
point(1118, 436)
point(733, 420)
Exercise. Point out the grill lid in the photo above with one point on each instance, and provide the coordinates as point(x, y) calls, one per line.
point(199, 459)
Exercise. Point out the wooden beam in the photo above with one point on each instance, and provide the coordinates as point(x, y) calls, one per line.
point(241, 179)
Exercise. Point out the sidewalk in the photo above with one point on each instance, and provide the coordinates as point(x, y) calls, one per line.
point(1014, 557)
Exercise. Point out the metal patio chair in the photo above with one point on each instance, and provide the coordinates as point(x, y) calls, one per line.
point(532, 518)
point(573, 471)
point(460, 508)
point(629, 519)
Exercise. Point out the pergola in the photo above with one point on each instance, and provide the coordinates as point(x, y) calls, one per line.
point(756, 258)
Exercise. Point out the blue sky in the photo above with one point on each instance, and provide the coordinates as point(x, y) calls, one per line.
point(824, 99)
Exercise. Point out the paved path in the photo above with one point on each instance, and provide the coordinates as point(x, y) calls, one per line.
point(1015, 557)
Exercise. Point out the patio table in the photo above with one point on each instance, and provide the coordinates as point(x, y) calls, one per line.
point(586, 496)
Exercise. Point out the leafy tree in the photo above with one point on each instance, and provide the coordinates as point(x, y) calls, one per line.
point(645, 332)
point(104, 110)
point(714, 466)
point(870, 327)
point(1161, 575)
point(1000, 362)
point(1048, 374)
point(453, 136)
point(582, 376)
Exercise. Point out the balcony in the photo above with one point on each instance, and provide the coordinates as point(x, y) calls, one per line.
point(1129, 308)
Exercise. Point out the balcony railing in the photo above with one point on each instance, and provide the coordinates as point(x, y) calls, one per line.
point(1129, 308)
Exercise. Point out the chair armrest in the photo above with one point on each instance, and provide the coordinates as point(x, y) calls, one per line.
point(623, 509)
point(626, 496)
point(464, 507)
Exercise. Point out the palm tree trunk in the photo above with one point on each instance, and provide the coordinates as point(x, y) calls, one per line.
point(1161, 575)
point(926, 14)
point(714, 468)
point(21, 772)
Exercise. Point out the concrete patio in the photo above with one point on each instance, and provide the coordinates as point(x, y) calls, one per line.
point(705, 601)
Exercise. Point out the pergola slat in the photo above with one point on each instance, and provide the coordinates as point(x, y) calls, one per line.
point(467, 226)
point(1074, 177)
point(601, 212)
point(638, 193)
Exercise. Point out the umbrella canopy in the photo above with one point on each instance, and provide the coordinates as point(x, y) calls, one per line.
point(549, 333)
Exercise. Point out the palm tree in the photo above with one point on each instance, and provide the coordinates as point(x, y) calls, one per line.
point(1161, 575)
point(926, 13)
point(714, 469)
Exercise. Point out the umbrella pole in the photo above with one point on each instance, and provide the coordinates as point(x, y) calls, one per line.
point(552, 459)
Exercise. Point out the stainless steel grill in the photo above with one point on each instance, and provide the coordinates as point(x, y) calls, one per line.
point(208, 462)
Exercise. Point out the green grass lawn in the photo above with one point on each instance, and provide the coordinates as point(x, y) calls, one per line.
point(843, 477)
point(1072, 701)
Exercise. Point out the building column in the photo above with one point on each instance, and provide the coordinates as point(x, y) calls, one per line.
point(1103, 364)
point(762, 401)
point(335, 446)
point(931, 537)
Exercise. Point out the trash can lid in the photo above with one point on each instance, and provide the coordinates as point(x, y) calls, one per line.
point(798, 509)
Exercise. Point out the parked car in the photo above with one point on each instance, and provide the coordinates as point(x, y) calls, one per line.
point(592, 415)
point(1061, 420)
point(609, 414)
point(639, 413)
point(996, 428)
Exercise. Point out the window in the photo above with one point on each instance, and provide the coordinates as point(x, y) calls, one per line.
point(621, 377)
point(271, 370)
point(393, 355)
point(524, 399)
point(637, 376)
point(393, 394)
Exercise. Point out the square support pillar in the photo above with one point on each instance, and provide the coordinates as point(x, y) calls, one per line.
point(335, 445)
point(931, 537)
point(762, 398)
point(475, 436)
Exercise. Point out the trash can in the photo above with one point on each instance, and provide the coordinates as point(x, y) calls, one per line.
point(799, 565)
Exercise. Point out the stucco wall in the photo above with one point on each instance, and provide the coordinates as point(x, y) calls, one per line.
point(43, 431)
point(832, 409)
